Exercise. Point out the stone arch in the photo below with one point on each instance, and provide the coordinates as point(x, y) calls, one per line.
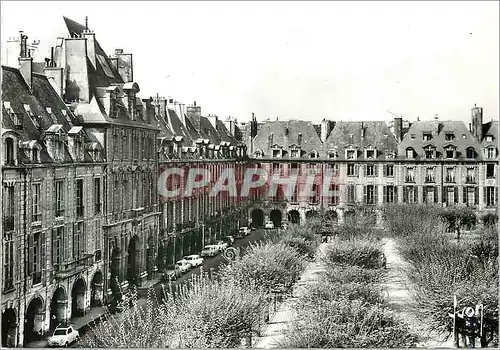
point(311, 214)
point(257, 217)
point(133, 263)
point(294, 216)
point(9, 328)
point(58, 307)
point(276, 217)
point(96, 289)
point(78, 297)
point(33, 319)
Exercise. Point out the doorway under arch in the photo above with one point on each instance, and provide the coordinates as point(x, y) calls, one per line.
point(33, 323)
point(276, 217)
point(78, 298)
point(9, 328)
point(133, 266)
point(294, 216)
point(58, 307)
point(258, 217)
point(96, 287)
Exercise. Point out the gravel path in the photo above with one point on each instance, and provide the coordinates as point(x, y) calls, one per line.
point(397, 287)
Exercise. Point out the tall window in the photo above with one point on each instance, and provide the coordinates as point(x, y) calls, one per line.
point(370, 194)
point(351, 193)
point(490, 196)
point(8, 208)
point(450, 174)
point(491, 153)
point(471, 175)
point(390, 194)
point(78, 241)
point(410, 194)
point(351, 170)
point(370, 170)
point(429, 174)
point(8, 264)
point(79, 197)
point(35, 257)
point(410, 174)
point(334, 199)
point(97, 195)
point(389, 170)
point(57, 245)
point(37, 215)
point(9, 151)
point(59, 203)
point(490, 171)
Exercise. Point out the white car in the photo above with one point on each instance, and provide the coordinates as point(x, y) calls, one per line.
point(222, 245)
point(194, 260)
point(245, 231)
point(210, 250)
point(63, 336)
point(184, 264)
point(269, 225)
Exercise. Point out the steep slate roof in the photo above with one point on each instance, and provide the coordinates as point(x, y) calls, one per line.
point(16, 91)
point(285, 134)
point(224, 134)
point(438, 130)
point(346, 134)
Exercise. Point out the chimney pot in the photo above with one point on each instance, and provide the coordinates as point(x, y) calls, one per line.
point(195, 103)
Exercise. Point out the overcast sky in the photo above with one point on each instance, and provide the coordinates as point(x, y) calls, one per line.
point(301, 60)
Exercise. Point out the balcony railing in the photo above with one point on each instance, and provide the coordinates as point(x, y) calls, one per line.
point(429, 179)
point(410, 178)
point(62, 270)
point(470, 180)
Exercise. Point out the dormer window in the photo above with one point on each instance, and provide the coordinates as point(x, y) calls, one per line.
point(491, 153)
point(389, 154)
point(259, 154)
point(333, 154)
point(313, 154)
point(32, 150)
point(351, 154)
point(470, 153)
point(429, 152)
point(412, 136)
point(294, 153)
point(17, 121)
point(276, 153)
point(410, 153)
point(370, 154)
point(450, 152)
point(449, 137)
point(489, 138)
point(427, 136)
point(27, 108)
point(10, 155)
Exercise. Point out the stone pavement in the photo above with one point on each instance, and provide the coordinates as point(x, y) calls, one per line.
point(273, 335)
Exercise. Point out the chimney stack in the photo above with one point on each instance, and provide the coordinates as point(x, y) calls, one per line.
point(477, 122)
point(25, 62)
point(398, 128)
point(362, 130)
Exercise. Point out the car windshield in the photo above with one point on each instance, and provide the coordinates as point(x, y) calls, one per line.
point(60, 332)
point(188, 258)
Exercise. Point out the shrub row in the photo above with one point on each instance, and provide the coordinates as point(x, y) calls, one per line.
point(212, 312)
point(347, 308)
point(442, 267)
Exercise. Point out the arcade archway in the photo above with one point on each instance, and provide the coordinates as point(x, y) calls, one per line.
point(9, 328)
point(33, 320)
point(257, 218)
point(96, 294)
point(275, 217)
point(311, 214)
point(133, 266)
point(294, 217)
point(78, 298)
point(58, 307)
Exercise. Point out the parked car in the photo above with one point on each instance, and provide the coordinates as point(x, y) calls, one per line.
point(269, 225)
point(222, 245)
point(210, 250)
point(184, 265)
point(245, 231)
point(172, 272)
point(194, 260)
point(63, 336)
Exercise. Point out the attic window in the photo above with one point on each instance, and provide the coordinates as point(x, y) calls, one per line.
point(52, 116)
point(313, 154)
point(449, 137)
point(450, 153)
point(27, 108)
point(489, 138)
point(427, 136)
point(470, 153)
point(294, 153)
point(370, 154)
point(412, 136)
point(13, 116)
point(276, 153)
point(409, 153)
point(351, 154)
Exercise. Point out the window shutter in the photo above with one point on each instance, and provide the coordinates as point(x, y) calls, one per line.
point(31, 252)
point(435, 194)
point(456, 194)
point(364, 194)
point(464, 195)
point(356, 169)
point(385, 192)
point(365, 170)
point(476, 195)
point(485, 196)
point(396, 199)
point(415, 194)
point(445, 194)
point(375, 169)
point(405, 194)
point(385, 169)
point(375, 194)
